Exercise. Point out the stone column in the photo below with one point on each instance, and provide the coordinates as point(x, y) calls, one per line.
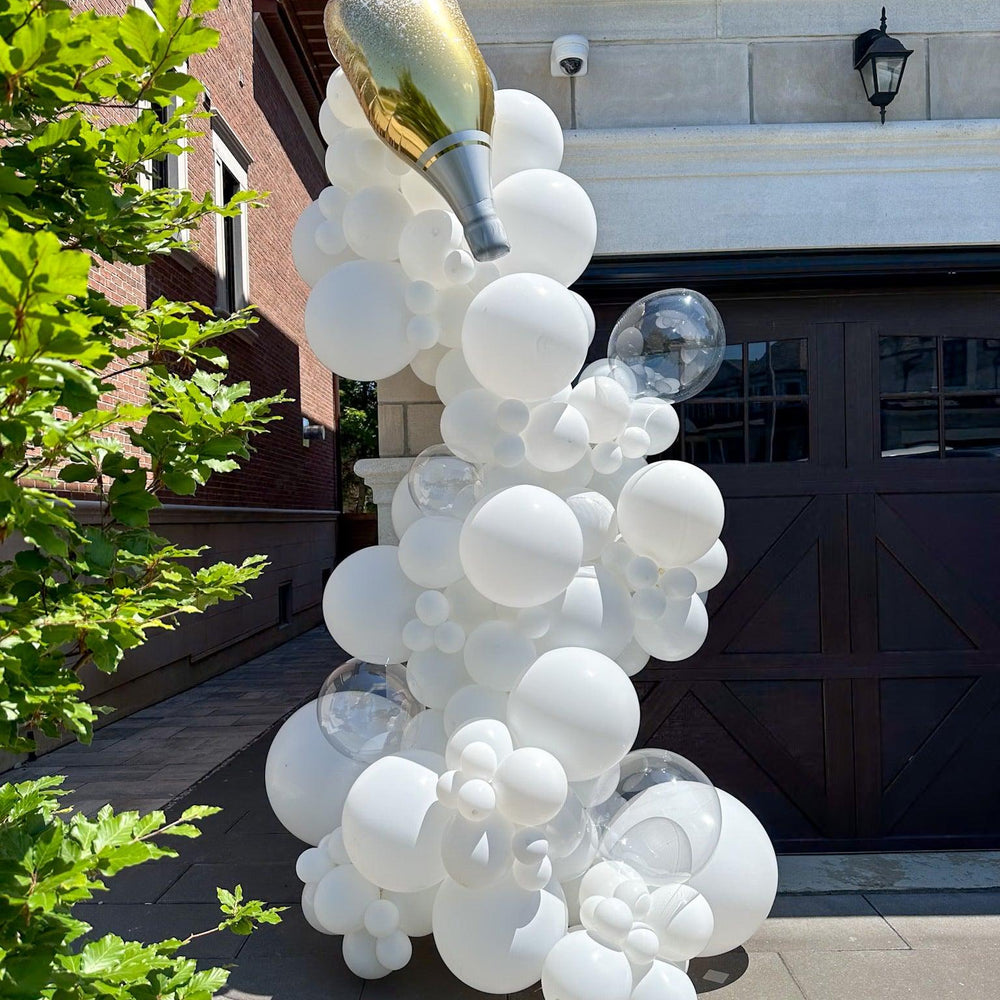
point(382, 476)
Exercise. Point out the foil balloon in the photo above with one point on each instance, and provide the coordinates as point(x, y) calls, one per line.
point(427, 93)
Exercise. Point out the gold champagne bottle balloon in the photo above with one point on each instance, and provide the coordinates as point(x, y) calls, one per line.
point(427, 93)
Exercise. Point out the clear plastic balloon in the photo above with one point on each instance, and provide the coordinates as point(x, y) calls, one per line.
point(363, 709)
point(442, 483)
point(664, 820)
point(672, 341)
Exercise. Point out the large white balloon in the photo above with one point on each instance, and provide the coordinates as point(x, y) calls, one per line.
point(355, 320)
point(373, 221)
point(740, 880)
point(306, 780)
point(677, 634)
point(521, 547)
point(581, 968)
point(671, 512)
point(496, 939)
point(343, 101)
point(530, 786)
point(468, 424)
point(367, 602)
point(524, 337)
point(595, 611)
point(393, 825)
point(428, 552)
point(664, 982)
point(526, 134)
point(550, 222)
point(577, 704)
point(477, 854)
point(556, 437)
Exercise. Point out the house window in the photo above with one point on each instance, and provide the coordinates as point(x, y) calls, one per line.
point(232, 255)
point(756, 409)
point(939, 396)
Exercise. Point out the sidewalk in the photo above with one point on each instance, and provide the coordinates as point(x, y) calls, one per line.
point(909, 928)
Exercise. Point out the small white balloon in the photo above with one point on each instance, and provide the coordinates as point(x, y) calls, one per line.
point(330, 237)
point(428, 552)
point(434, 676)
point(312, 864)
point(335, 848)
point(459, 267)
point(342, 100)
point(605, 877)
point(604, 404)
point(432, 607)
point(468, 607)
point(452, 305)
point(423, 332)
point(513, 416)
point(393, 951)
point(679, 584)
point(658, 419)
point(526, 134)
point(478, 760)
point(596, 516)
point(556, 437)
point(490, 731)
point(309, 259)
point(424, 244)
point(421, 297)
point(417, 635)
point(373, 221)
point(710, 568)
point(475, 799)
point(414, 910)
point(509, 450)
point(342, 897)
point(634, 442)
point(381, 918)
point(642, 572)
point(449, 637)
point(682, 920)
point(420, 193)
point(330, 126)
point(648, 604)
point(468, 423)
point(360, 956)
point(581, 968)
point(607, 458)
point(532, 877)
point(664, 982)
point(678, 634)
point(530, 786)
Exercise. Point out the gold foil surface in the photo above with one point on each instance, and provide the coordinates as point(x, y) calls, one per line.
point(415, 67)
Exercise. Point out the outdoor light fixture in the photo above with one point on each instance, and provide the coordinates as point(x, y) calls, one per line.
point(880, 59)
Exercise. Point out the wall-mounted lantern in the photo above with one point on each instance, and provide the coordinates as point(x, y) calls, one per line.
point(880, 59)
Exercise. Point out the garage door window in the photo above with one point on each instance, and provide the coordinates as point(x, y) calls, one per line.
point(756, 409)
point(939, 397)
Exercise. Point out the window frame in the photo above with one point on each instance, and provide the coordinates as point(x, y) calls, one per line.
point(225, 159)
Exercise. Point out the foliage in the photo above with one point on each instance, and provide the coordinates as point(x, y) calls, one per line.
point(76, 92)
point(49, 863)
point(358, 438)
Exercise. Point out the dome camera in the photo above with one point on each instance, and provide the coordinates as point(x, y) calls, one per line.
point(569, 56)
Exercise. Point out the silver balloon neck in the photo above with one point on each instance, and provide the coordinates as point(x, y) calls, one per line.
point(459, 168)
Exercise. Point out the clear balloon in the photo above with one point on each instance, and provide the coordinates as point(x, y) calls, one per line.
point(440, 482)
point(665, 819)
point(672, 341)
point(363, 709)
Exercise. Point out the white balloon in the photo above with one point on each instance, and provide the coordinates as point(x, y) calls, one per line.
point(453, 377)
point(597, 790)
point(671, 511)
point(521, 546)
point(343, 102)
point(425, 731)
point(658, 419)
point(373, 221)
point(740, 880)
point(415, 910)
point(496, 654)
point(596, 516)
point(330, 126)
point(664, 982)
point(678, 584)
point(477, 854)
point(489, 731)
point(342, 896)
point(335, 847)
point(428, 552)
point(425, 363)
point(526, 134)
point(581, 968)
point(393, 951)
point(420, 193)
point(577, 704)
point(595, 611)
point(611, 484)
point(632, 659)
point(605, 877)
point(404, 511)
point(425, 242)
point(349, 159)
point(312, 864)
point(550, 222)
point(432, 607)
point(711, 567)
point(360, 956)
point(433, 676)
point(308, 911)
point(524, 337)
point(355, 320)
point(452, 305)
point(604, 404)
point(468, 424)
point(367, 602)
point(393, 825)
point(678, 634)
point(306, 780)
point(683, 921)
point(468, 607)
point(496, 939)
point(556, 437)
point(310, 261)
point(530, 786)
point(473, 702)
point(588, 315)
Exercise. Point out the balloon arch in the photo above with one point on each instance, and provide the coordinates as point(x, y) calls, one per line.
point(469, 774)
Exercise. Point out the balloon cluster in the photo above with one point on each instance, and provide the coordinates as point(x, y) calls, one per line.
point(486, 792)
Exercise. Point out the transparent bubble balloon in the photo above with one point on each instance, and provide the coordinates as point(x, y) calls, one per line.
point(363, 709)
point(672, 342)
point(441, 483)
point(664, 819)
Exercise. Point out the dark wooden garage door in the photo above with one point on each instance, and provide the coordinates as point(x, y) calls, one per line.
point(849, 689)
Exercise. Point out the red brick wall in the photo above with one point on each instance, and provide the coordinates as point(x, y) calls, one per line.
point(274, 355)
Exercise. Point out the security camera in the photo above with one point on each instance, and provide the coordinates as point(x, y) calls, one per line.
point(569, 56)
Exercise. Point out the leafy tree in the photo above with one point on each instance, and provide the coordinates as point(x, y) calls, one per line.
point(358, 430)
point(78, 93)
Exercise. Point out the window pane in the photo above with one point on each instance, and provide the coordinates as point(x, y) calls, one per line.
point(728, 380)
point(909, 427)
point(972, 426)
point(907, 364)
point(779, 432)
point(713, 433)
point(778, 368)
point(971, 363)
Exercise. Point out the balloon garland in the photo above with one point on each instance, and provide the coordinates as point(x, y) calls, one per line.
point(486, 792)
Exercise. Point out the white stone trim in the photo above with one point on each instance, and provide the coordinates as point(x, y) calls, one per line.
point(762, 187)
point(263, 38)
point(382, 476)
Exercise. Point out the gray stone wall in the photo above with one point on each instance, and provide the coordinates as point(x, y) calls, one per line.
point(731, 62)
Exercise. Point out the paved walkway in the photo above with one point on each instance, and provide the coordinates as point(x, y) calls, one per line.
point(908, 930)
